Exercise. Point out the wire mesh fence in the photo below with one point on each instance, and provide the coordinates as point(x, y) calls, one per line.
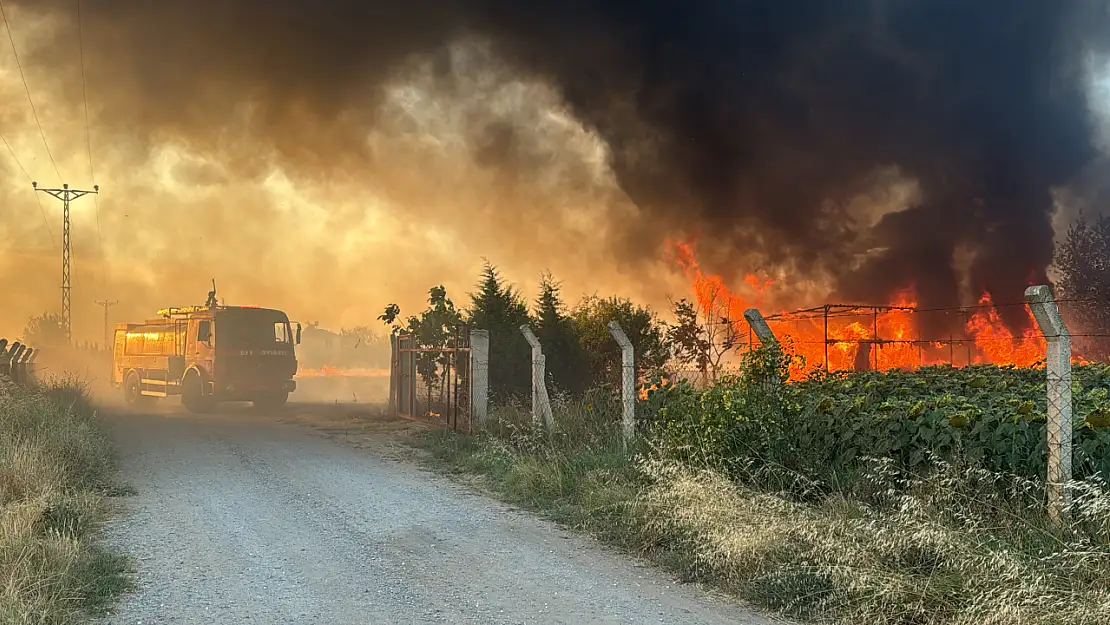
point(851, 337)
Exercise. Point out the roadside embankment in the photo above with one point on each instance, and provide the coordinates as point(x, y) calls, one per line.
point(57, 470)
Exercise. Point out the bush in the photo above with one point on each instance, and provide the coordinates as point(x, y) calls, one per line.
point(56, 467)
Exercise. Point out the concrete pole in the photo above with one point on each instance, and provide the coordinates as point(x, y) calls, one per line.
point(759, 325)
point(394, 374)
point(541, 403)
point(628, 380)
point(479, 375)
point(1058, 430)
point(766, 338)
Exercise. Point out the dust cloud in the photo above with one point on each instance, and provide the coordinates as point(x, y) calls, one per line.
point(417, 202)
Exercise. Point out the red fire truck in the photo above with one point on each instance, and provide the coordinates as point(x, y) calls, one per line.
point(208, 354)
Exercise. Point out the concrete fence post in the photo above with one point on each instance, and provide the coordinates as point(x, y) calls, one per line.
point(541, 403)
point(394, 374)
point(628, 380)
point(479, 375)
point(1058, 429)
point(759, 325)
point(766, 338)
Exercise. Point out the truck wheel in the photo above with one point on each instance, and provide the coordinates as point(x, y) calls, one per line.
point(131, 389)
point(270, 401)
point(193, 397)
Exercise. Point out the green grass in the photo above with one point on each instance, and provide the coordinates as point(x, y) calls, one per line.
point(56, 472)
point(946, 545)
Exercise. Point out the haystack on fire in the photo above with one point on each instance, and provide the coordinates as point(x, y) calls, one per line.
point(915, 154)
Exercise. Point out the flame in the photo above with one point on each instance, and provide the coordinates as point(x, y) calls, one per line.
point(996, 344)
point(329, 371)
point(890, 336)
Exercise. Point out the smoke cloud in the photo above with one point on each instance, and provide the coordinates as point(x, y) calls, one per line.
point(331, 157)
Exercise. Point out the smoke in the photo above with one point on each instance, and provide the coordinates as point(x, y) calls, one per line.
point(331, 157)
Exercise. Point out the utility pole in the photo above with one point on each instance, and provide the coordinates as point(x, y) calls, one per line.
point(66, 195)
point(106, 304)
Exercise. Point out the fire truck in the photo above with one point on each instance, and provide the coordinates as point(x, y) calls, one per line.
point(207, 354)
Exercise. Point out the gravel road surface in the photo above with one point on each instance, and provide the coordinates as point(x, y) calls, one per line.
point(240, 518)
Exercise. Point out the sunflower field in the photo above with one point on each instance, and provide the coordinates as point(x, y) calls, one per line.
point(988, 415)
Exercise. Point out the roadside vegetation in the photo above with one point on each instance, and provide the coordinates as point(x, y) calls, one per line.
point(739, 486)
point(899, 498)
point(56, 471)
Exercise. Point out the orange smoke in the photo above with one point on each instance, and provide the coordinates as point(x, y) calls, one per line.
point(834, 335)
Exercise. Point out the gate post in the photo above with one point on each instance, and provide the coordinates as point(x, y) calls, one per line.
point(394, 374)
point(479, 376)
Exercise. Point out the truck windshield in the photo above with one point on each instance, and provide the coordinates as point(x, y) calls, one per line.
point(241, 329)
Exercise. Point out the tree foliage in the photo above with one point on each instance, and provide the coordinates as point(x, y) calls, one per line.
point(556, 331)
point(45, 331)
point(500, 309)
point(687, 337)
point(1083, 261)
point(702, 336)
point(435, 327)
point(603, 355)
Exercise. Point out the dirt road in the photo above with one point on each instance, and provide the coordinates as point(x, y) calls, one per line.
point(240, 518)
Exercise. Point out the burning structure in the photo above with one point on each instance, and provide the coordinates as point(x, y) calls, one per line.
point(839, 337)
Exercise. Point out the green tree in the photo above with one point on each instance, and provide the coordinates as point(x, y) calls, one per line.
point(687, 338)
point(500, 309)
point(566, 364)
point(603, 355)
point(1083, 263)
point(702, 335)
point(435, 328)
point(45, 331)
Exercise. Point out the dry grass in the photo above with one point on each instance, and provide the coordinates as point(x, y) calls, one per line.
point(946, 549)
point(56, 468)
point(958, 546)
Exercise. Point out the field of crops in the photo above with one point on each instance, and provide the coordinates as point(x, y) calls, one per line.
point(989, 415)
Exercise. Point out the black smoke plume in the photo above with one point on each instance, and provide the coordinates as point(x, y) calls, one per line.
point(753, 123)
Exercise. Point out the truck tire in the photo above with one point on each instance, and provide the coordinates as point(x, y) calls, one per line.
point(131, 388)
point(193, 397)
point(132, 391)
point(270, 401)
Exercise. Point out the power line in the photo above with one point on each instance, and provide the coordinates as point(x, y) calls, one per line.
point(66, 195)
point(42, 211)
point(88, 142)
point(27, 88)
point(107, 335)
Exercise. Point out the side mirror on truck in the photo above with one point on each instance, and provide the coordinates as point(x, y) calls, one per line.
point(298, 334)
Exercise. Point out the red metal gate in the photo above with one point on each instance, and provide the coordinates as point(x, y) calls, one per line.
point(432, 384)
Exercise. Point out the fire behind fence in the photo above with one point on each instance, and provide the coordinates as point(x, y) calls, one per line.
point(856, 337)
point(433, 383)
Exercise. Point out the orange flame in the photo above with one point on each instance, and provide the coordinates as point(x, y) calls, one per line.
point(890, 337)
point(329, 371)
